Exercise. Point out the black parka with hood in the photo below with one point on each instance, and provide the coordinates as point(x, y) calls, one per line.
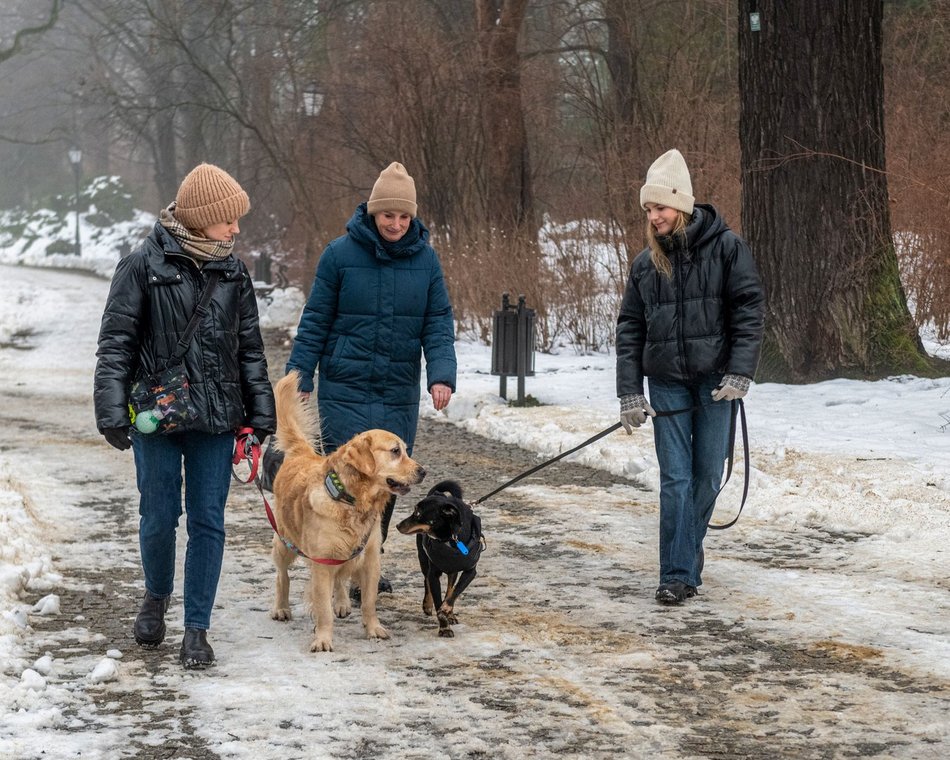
point(706, 319)
point(154, 293)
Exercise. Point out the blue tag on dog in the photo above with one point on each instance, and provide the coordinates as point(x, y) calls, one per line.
point(461, 547)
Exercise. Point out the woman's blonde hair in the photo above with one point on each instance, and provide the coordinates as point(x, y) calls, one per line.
point(660, 260)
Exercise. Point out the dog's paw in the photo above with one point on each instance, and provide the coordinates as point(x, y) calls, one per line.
point(321, 644)
point(280, 613)
point(376, 631)
point(428, 609)
point(446, 620)
point(342, 609)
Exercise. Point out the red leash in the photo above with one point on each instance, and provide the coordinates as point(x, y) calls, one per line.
point(246, 446)
point(289, 545)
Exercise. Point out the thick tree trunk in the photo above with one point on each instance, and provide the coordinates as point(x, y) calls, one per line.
point(624, 154)
point(814, 196)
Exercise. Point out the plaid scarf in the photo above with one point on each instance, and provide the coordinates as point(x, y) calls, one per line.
point(198, 247)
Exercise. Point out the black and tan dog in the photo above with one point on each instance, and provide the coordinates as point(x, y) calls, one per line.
point(449, 542)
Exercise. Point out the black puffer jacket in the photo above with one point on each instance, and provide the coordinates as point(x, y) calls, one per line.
point(706, 319)
point(154, 293)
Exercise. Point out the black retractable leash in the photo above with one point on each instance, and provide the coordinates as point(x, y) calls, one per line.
point(737, 405)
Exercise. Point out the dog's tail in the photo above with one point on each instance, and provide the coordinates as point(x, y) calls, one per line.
point(448, 487)
point(298, 428)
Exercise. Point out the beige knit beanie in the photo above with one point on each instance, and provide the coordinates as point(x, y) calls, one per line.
point(209, 195)
point(668, 183)
point(393, 191)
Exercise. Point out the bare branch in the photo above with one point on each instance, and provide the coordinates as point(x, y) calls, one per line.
point(22, 34)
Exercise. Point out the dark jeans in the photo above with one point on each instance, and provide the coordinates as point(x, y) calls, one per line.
point(691, 449)
point(207, 471)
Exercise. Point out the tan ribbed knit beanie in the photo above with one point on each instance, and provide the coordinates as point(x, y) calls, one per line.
point(209, 195)
point(393, 191)
point(668, 183)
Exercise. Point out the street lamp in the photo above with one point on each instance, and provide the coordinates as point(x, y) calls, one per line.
point(75, 158)
point(312, 99)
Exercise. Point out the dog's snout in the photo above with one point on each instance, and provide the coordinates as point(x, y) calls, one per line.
point(420, 474)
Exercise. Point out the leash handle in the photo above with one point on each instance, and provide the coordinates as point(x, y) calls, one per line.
point(737, 406)
point(246, 446)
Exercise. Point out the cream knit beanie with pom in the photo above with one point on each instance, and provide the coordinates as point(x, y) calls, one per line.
point(668, 183)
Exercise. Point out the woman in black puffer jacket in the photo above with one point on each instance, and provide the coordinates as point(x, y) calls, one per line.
point(691, 321)
point(154, 293)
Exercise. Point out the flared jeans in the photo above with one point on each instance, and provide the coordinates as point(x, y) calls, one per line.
point(207, 478)
point(691, 450)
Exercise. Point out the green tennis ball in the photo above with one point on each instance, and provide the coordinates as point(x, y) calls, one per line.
point(147, 422)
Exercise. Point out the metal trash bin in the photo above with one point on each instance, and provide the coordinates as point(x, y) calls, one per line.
point(262, 268)
point(513, 338)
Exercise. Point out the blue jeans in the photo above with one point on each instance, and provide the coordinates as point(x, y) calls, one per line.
point(691, 449)
point(158, 470)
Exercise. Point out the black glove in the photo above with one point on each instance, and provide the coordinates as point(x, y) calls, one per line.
point(118, 437)
point(261, 435)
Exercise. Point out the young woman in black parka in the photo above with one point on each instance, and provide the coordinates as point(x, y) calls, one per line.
point(691, 321)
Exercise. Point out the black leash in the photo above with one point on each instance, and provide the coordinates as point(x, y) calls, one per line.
point(737, 404)
point(541, 466)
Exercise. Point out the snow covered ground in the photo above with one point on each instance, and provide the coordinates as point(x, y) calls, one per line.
point(869, 460)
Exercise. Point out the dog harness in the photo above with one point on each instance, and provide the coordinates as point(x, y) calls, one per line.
point(455, 555)
point(343, 495)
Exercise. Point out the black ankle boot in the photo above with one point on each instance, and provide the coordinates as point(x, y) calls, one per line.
point(196, 653)
point(383, 587)
point(149, 629)
point(674, 592)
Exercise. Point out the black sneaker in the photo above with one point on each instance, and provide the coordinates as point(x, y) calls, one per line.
point(674, 592)
point(149, 629)
point(383, 587)
point(196, 653)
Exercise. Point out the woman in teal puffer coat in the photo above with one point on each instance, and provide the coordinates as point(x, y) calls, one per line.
point(378, 304)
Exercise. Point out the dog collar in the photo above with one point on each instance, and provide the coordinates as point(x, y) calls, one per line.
point(336, 489)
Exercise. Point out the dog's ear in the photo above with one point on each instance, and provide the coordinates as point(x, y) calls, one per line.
point(358, 454)
point(451, 513)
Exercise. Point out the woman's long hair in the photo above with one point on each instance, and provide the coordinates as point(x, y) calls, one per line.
point(657, 254)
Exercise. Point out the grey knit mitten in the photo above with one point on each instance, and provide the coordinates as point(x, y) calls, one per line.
point(634, 409)
point(731, 388)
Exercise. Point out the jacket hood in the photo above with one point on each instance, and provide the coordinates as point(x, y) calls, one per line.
point(362, 228)
point(705, 225)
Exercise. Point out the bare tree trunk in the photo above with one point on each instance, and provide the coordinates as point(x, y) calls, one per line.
point(814, 200)
point(508, 183)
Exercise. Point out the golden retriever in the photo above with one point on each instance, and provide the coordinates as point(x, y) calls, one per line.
point(339, 533)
